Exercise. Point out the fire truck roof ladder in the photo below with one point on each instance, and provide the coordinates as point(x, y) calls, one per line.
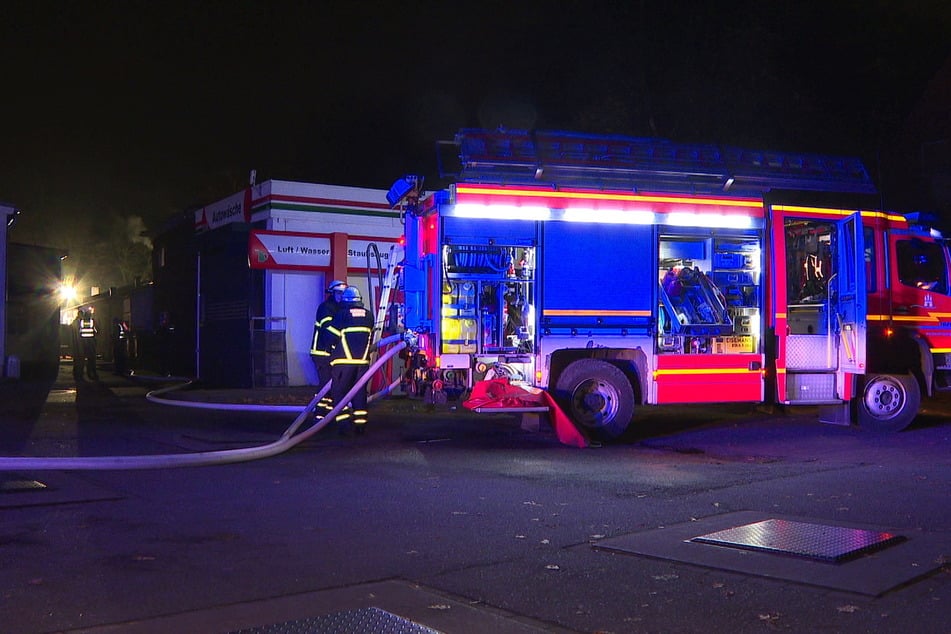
point(565, 159)
point(389, 281)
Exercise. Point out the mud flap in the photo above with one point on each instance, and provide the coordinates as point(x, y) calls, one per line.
point(840, 414)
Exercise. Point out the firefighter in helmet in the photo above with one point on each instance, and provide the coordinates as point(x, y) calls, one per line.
point(351, 330)
point(321, 341)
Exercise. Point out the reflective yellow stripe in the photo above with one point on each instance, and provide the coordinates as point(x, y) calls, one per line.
point(530, 193)
point(706, 371)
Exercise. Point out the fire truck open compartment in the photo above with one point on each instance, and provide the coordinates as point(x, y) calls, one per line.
point(709, 289)
point(808, 275)
point(488, 299)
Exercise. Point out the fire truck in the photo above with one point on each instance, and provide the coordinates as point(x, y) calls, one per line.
point(615, 272)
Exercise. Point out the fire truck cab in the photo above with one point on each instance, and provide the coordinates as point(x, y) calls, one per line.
point(617, 272)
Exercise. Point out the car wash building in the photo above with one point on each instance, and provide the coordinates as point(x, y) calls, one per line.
point(237, 282)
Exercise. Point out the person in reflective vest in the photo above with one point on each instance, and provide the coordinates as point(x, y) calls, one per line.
point(322, 341)
point(86, 332)
point(120, 346)
point(351, 330)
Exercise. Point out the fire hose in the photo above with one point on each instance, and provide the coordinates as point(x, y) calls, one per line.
point(287, 440)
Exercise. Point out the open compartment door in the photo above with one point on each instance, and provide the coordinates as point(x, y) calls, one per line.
point(848, 300)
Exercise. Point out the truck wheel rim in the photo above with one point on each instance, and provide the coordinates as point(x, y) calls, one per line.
point(884, 398)
point(594, 403)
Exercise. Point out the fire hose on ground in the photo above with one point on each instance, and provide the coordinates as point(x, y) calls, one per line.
point(287, 440)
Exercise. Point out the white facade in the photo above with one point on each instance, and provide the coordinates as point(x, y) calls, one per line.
point(292, 296)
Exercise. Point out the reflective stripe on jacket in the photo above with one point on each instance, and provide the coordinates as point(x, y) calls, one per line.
point(322, 340)
point(351, 329)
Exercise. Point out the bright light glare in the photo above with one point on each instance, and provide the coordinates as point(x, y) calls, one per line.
point(718, 221)
point(508, 212)
point(609, 216)
point(67, 292)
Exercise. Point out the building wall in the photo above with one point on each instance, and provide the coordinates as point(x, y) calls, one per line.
point(295, 295)
point(230, 294)
point(275, 298)
point(293, 298)
point(33, 277)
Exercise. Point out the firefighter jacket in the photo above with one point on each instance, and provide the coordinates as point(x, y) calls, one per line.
point(351, 329)
point(87, 329)
point(322, 340)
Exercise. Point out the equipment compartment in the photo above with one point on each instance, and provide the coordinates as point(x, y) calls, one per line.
point(488, 299)
point(709, 294)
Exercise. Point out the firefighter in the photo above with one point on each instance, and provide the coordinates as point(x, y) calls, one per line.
point(120, 346)
point(321, 341)
point(85, 332)
point(351, 330)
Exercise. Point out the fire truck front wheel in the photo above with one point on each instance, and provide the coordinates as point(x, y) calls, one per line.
point(597, 396)
point(889, 402)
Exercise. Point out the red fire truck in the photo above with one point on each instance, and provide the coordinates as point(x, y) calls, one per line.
point(615, 272)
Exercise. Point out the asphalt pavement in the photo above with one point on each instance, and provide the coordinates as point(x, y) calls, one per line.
point(440, 519)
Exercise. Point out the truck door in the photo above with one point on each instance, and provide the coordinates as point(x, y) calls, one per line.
point(849, 301)
point(822, 298)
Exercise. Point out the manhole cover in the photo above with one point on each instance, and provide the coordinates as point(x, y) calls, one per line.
point(801, 539)
point(359, 621)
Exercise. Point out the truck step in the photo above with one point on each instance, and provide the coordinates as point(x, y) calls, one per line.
point(816, 401)
point(509, 410)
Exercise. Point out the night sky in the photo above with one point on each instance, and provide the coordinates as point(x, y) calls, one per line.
point(143, 109)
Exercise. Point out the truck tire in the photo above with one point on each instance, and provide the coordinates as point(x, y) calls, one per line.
point(597, 396)
point(889, 402)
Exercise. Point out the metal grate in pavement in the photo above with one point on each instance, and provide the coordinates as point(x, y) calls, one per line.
point(361, 621)
point(801, 539)
point(914, 556)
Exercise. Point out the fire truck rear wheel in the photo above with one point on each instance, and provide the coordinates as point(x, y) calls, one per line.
point(597, 396)
point(889, 402)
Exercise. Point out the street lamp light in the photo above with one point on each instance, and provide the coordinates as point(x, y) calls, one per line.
point(67, 292)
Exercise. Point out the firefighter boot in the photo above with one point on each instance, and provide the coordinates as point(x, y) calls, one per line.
point(344, 423)
point(360, 421)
